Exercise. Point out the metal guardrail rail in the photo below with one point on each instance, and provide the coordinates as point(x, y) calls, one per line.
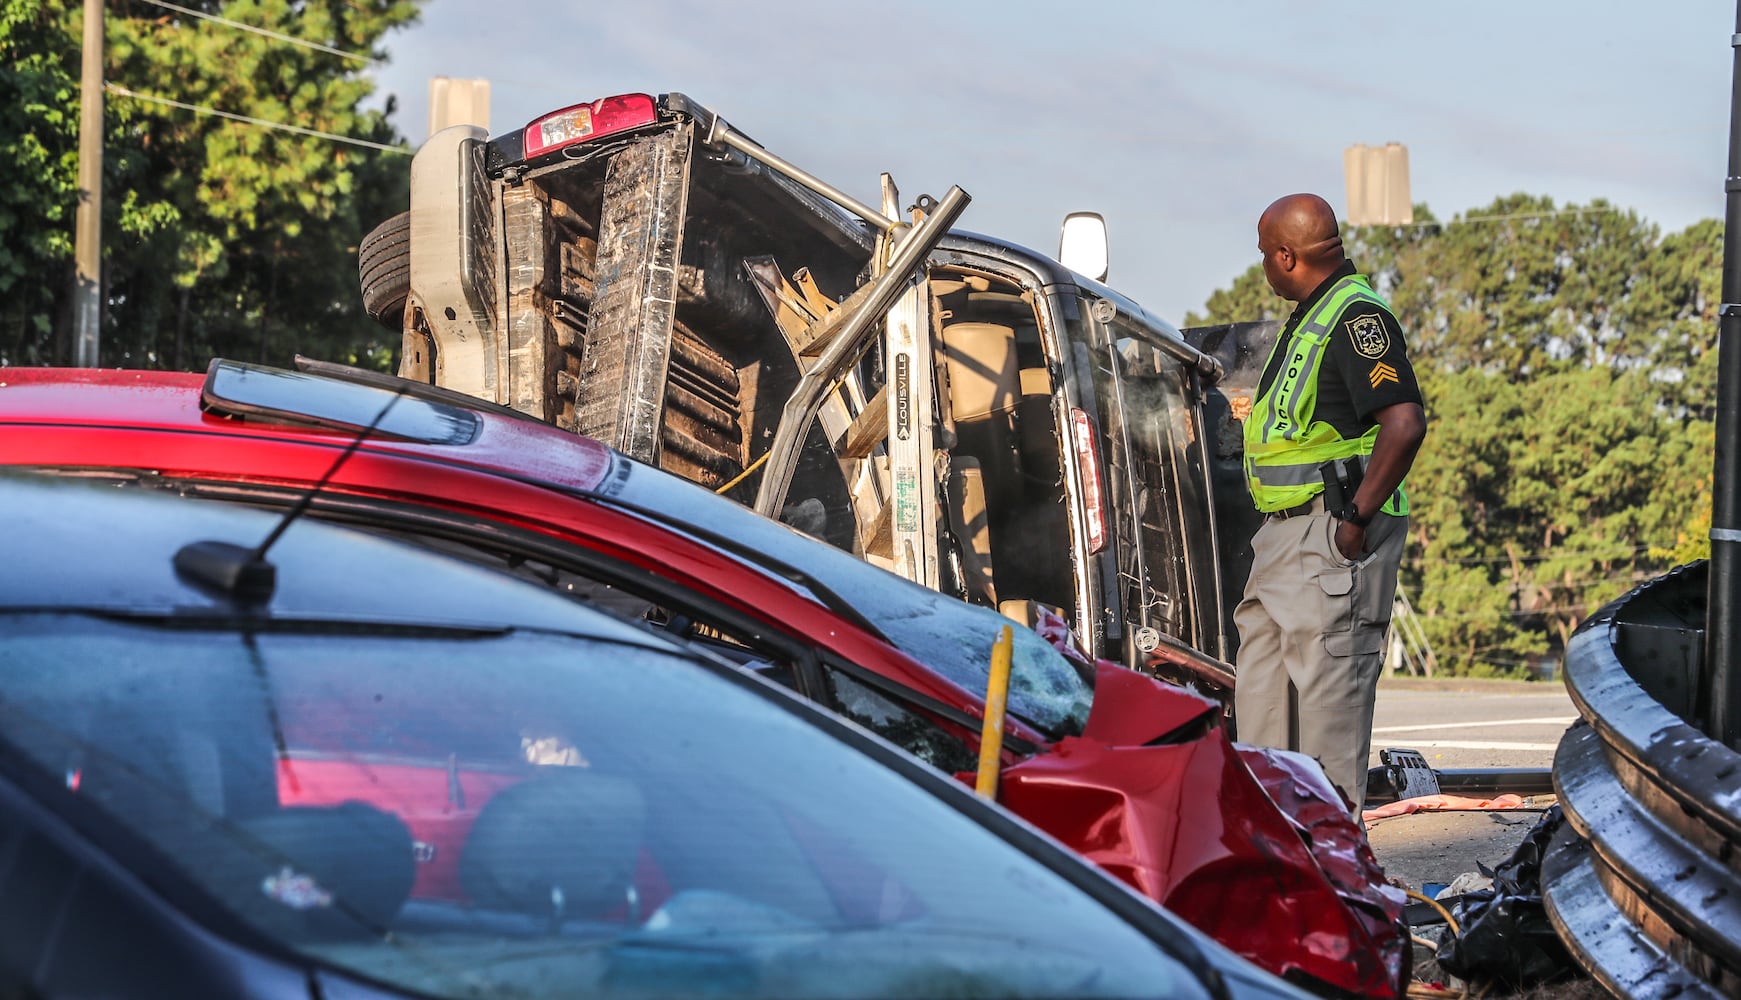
point(1644, 882)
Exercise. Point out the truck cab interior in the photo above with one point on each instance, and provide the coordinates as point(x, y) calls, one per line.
point(1005, 491)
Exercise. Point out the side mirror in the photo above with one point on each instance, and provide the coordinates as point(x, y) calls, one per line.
point(1082, 247)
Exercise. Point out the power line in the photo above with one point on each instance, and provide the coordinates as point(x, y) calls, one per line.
point(1463, 616)
point(1506, 589)
point(1544, 556)
point(260, 31)
point(1491, 218)
point(299, 130)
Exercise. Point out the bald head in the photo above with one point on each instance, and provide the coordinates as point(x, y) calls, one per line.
point(1298, 238)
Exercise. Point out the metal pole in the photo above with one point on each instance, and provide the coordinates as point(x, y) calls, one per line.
point(88, 223)
point(726, 135)
point(807, 397)
point(1720, 679)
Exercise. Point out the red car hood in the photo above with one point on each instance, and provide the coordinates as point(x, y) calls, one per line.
point(1132, 709)
point(1254, 847)
point(1196, 825)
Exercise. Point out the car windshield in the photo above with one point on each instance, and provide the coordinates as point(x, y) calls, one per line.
point(949, 636)
point(528, 814)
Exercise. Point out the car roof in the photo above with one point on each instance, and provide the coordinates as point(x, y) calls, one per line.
point(79, 546)
point(171, 400)
point(500, 443)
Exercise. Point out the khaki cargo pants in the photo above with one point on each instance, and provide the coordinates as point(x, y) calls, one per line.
point(1311, 642)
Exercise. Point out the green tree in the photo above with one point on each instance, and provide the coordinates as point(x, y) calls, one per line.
point(220, 236)
point(1466, 567)
point(1674, 312)
point(1536, 284)
point(38, 196)
point(1537, 500)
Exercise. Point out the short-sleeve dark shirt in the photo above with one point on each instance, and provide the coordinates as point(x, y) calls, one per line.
point(1365, 369)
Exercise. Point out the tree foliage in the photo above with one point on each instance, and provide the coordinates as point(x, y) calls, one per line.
point(1568, 359)
point(220, 237)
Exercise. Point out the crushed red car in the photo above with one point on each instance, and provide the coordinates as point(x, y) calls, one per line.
point(1253, 847)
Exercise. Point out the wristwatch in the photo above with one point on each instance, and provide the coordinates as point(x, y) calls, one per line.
point(1352, 515)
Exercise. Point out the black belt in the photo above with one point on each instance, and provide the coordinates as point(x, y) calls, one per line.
point(1312, 506)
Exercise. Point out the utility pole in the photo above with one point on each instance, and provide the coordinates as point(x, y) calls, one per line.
point(1720, 678)
point(88, 226)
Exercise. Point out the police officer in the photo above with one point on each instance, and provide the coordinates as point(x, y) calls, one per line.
point(1335, 426)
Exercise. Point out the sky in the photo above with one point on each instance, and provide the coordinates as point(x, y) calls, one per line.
point(1177, 121)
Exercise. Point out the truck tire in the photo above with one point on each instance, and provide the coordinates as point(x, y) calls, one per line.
point(384, 268)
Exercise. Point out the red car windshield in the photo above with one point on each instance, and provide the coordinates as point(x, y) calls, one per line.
point(530, 814)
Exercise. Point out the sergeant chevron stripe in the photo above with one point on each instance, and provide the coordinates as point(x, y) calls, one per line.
point(1380, 374)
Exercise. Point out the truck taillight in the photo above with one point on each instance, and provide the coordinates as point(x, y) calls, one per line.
point(1088, 471)
point(586, 122)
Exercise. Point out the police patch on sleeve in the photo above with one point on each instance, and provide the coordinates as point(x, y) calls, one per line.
point(1367, 333)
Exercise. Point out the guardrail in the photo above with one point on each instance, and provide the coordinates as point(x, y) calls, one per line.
point(1644, 882)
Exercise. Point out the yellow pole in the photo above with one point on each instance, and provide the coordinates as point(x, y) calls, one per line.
point(997, 693)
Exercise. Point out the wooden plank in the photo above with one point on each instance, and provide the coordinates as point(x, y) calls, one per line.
point(878, 537)
point(869, 428)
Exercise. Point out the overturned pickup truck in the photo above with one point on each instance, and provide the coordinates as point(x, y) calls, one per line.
point(965, 412)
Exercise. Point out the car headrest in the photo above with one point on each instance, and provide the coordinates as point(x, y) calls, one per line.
point(316, 872)
point(561, 844)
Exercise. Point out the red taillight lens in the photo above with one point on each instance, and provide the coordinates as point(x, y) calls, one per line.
point(586, 122)
point(1088, 471)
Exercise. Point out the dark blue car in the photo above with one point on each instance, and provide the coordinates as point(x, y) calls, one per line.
point(343, 767)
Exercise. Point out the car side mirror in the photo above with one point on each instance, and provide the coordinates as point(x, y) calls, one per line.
point(1082, 247)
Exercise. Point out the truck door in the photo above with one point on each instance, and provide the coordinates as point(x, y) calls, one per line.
point(1242, 349)
point(1160, 505)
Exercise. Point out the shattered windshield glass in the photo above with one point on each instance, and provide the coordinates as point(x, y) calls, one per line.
point(947, 635)
point(539, 815)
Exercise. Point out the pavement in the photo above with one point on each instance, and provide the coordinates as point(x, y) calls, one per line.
point(1463, 722)
point(1436, 847)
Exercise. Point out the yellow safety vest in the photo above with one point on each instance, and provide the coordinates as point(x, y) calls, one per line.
point(1284, 446)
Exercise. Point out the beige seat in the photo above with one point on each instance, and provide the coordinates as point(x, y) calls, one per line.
point(983, 379)
point(970, 523)
point(984, 390)
point(1036, 435)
